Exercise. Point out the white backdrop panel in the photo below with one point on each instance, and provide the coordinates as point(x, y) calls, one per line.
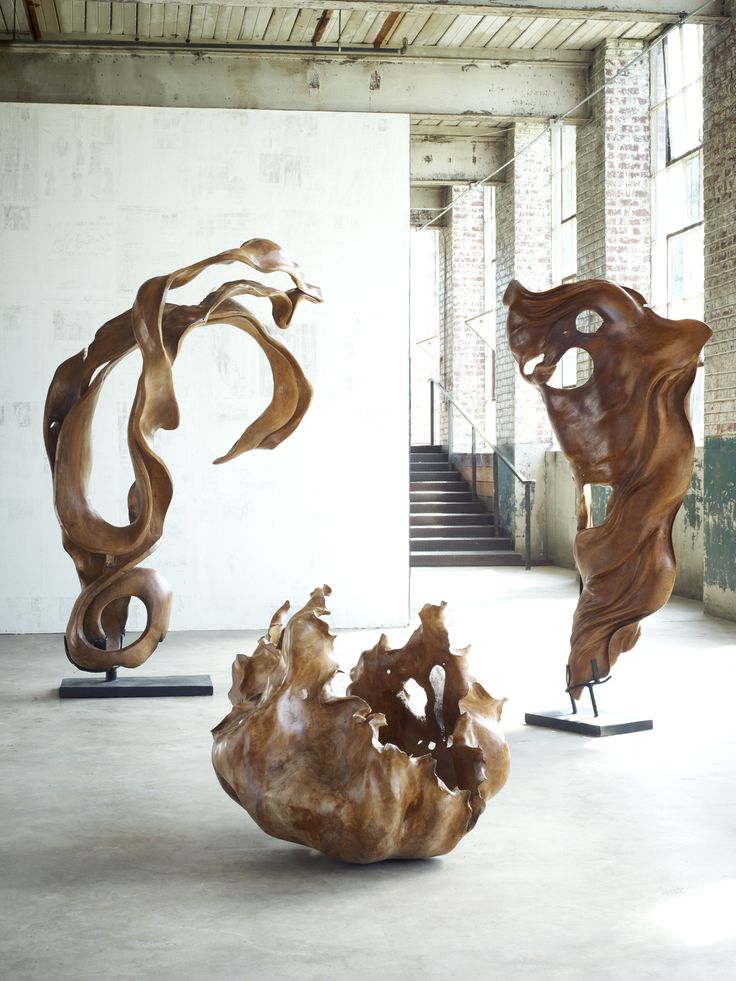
point(94, 200)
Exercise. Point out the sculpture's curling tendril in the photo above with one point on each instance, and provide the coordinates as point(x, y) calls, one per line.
point(363, 777)
point(628, 426)
point(106, 555)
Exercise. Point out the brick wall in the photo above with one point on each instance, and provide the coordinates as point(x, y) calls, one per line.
point(613, 188)
point(523, 242)
point(523, 236)
point(719, 199)
point(463, 364)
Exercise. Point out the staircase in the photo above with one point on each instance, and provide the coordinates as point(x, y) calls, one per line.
point(446, 526)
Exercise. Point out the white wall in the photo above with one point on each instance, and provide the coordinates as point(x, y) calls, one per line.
point(94, 200)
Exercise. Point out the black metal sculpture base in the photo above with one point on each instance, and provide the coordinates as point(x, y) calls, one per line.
point(135, 687)
point(588, 722)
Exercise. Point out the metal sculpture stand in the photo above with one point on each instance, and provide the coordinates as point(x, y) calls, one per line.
point(133, 686)
point(583, 723)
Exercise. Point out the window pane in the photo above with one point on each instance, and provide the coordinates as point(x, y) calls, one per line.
point(659, 139)
point(693, 189)
point(692, 53)
point(568, 193)
point(685, 272)
point(684, 121)
point(569, 134)
point(657, 86)
point(673, 62)
point(568, 249)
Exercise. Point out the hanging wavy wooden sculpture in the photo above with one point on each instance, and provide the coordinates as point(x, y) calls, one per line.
point(365, 777)
point(107, 556)
point(628, 427)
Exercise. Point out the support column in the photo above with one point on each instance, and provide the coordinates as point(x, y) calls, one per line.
point(463, 353)
point(523, 252)
point(719, 202)
point(613, 186)
point(613, 189)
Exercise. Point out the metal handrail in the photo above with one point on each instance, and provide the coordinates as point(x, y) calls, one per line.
point(527, 483)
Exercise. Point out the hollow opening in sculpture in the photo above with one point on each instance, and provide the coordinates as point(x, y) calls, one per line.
point(573, 370)
point(588, 322)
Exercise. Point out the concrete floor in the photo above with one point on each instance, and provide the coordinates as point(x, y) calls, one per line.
point(601, 859)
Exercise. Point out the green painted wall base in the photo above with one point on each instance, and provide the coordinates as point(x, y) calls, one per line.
point(719, 501)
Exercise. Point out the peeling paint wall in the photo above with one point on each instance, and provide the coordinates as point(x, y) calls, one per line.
point(719, 201)
point(97, 199)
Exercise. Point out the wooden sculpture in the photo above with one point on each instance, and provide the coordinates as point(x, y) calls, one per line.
point(105, 555)
point(362, 777)
point(628, 427)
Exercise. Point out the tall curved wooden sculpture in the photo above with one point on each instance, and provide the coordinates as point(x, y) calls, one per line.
point(362, 778)
point(106, 556)
point(627, 426)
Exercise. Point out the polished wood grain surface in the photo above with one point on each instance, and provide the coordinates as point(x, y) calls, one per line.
point(364, 777)
point(107, 556)
point(628, 427)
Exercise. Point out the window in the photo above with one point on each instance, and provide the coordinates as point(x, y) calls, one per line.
point(564, 231)
point(677, 193)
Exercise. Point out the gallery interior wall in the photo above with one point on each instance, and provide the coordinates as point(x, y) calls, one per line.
point(97, 199)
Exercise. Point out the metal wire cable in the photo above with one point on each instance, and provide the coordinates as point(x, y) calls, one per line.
point(684, 18)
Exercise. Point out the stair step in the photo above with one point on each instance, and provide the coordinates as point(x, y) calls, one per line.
point(451, 517)
point(445, 507)
point(425, 448)
point(427, 496)
point(456, 486)
point(465, 558)
point(442, 530)
point(431, 467)
point(441, 544)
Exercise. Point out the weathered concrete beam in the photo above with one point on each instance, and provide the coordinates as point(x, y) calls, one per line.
point(247, 80)
point(455, 160)
point(645, 11)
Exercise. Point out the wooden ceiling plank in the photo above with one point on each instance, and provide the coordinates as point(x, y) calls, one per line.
point(395, 38)
point(143, 20)
point(235, 27)
point(64, 12)
point(247, 25)
point(324, 20)
point(209, 22)
point(484, 31)
point(116, 19)
point(275, 24)
point(183, 19)
point(458, 31)
point(434, 29)
point(513, 29)
point(303, 26)
point(222, 24)
point(196, 22)
point(386, 28)
point(264, 16)
point(536, 30)
point(373, 28)
point(558, 34)
point(644, 11)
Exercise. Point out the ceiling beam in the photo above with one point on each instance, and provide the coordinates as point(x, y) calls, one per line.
point(647, 11)
point(455, 160)
point(246, 80)
point(502, 56)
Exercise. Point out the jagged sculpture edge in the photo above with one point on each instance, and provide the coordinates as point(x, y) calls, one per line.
point(361, 778)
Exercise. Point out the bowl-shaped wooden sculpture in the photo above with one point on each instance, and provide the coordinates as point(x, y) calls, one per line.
point(362, 778)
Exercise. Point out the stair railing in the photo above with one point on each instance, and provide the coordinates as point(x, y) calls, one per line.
point(528, 485)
